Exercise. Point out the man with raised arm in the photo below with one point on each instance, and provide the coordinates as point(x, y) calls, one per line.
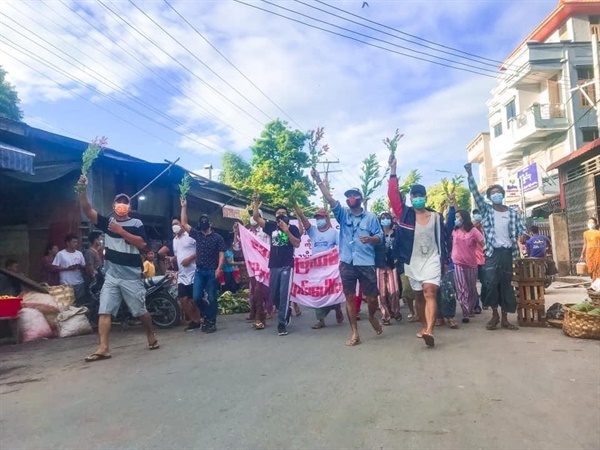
point(124, 237)
point(502, 228)
point(360, 232)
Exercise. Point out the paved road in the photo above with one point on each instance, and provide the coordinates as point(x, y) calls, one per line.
point(239, 388)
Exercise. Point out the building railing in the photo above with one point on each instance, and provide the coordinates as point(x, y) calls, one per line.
point(539, 112)
point(595, 30)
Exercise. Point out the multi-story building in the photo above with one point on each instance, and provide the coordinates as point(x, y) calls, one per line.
point(537, 112)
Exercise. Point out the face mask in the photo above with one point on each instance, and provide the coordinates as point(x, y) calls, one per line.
point(176, 229)
point(353, 202)
point(497, 198)
point(253, 222)
point(100, 242)
point(591, 226)
point(121, 209)
point(458, 222)
point(204, 225)
point(477, 217)
point(419, 202)
point(386, 222)
point(283, 217)
point(321, 223)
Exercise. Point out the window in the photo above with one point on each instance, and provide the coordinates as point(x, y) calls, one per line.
point(584, 76)
point(498, 129)
point(511, 113)
point(589, 134)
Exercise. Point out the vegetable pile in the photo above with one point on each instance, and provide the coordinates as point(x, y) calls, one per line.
point(234, 304)
point(586, 307)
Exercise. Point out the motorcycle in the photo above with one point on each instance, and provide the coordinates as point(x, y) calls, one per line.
point(161, 301)
point(551, 271)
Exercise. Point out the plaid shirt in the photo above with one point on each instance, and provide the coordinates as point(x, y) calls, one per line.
point(516, 228)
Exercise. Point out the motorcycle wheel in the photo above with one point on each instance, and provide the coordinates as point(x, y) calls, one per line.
point(549, 281)
point(164, 310)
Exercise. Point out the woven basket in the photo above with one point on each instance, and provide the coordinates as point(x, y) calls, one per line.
point(594, 297)
point(63, 294)
point(579, 324)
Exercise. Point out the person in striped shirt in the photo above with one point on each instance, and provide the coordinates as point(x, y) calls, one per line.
point(502, 228)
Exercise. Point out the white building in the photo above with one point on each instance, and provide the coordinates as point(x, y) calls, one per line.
point(536, 114)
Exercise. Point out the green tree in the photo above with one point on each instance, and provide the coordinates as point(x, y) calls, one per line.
point(412, 178)
point(437, 196)
point(371, 178)
point(9, 99)
point(235, 170)
point(379, 205)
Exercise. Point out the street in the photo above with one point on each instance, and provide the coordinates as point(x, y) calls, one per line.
point(239, 388)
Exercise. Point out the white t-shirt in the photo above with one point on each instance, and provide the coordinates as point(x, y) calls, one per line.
point(323, 240)
point(67, 259)
point(183, 247)
point(501, 224)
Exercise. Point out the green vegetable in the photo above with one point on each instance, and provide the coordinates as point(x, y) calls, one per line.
point(230, 304)
point(582, 307)
point(185, 185)
point(595, 312)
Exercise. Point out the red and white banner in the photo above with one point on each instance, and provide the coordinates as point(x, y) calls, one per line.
point(316, 279)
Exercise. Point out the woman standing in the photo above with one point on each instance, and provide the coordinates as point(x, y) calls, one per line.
point(465, 241)
point(387, 275)
point(49, 272)
point(591, 248)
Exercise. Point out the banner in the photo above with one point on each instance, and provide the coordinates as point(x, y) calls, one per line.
point(529, 178)
point(316, 279)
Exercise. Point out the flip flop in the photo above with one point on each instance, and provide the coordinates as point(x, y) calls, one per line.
point(429, 340)
point(154, 346)
point(318, 326)
point(352, 342)
point(386, 322)
point(452, 324)
point(97, 357)
point(419, 335)
point(492, 324)
point(413, 319)
point(509, 326)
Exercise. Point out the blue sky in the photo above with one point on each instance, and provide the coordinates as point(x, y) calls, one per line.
point(360, 94)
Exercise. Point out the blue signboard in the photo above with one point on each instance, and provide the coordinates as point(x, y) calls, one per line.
point(529, 178)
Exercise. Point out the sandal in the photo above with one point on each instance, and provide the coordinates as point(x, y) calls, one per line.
point(352, 342)
point(154, 345)
point(318, 325)
point(386, 322)
point(509, 326)
point(452, 324)
point(97, 357)
point(398, 317)
point(258, 326)
point(412, 318)
point(492, 324)
point(429, 340)
point(419, 334)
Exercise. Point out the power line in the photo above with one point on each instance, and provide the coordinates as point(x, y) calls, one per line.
point(495, 61)
point(216, 91)
point(364, 42)
point(231, 63)
point(495, 71)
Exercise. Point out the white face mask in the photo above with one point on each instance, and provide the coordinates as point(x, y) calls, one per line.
point(176, 229)
point(591, 226)
point(253, 222)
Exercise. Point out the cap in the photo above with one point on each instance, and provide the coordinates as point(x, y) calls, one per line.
point(418, 189)
point(322, 213)
point(353, 191)
point(204, 218)
point(120, 196)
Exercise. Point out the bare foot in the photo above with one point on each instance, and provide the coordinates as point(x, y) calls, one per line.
point(420, 333)
point(375, 324)
point(439, 322)
point(509, 326)
point(354, 340)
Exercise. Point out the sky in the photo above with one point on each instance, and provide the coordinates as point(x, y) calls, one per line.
point(159, 88)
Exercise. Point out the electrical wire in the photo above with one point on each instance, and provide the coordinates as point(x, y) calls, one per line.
point(364, 42)
point(231, 63)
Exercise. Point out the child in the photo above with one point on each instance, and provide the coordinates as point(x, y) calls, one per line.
point(149, 269)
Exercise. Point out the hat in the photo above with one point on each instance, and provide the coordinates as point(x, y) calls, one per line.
point(418, 189)
point(203, 218)
point(353, 191)
point(120, 196)
point(322, 213)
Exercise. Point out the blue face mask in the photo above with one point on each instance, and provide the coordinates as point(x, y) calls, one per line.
point(497, 198)
point(458, 222)
point(419, 202)
point(386, 222)
point(477, 217)
point(321, 223)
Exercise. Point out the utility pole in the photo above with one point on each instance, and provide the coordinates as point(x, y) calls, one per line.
point(326, 172)
point(596, 63)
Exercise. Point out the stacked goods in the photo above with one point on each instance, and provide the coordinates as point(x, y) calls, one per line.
point(232, 304)
point(582, 321)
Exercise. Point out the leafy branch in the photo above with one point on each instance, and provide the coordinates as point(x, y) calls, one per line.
point(185, 186)
point(90, 155)
point(314, 152)
point(392, 144)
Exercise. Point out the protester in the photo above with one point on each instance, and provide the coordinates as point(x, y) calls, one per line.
point(92, 256)
point(360, 232)
point(149, 269)
point(260, 309)
point(323, 237)
point(591, 248)
point(229, 283)
point(465, 241)
point(387, 274)
point(446, 295)
point(284, 238)
point(476, 217)
point(124, 237)
point(70, 263)
point(502, 228)
point(210, 258)
point(49, 271)
point(184, 249)
point(537, 245)
point(422, 247)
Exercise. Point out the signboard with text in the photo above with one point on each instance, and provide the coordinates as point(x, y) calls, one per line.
point(529, 178)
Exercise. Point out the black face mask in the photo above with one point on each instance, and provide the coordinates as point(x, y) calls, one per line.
point(283, 217)
point(203, 225)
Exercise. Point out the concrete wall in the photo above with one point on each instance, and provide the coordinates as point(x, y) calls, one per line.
point(560, 242)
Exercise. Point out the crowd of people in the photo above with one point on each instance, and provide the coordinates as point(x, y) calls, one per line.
point(409, 253)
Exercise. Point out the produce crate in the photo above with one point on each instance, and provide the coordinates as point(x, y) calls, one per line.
point(529, 270)
point(531, 314)
point(10, 307)
point(530, 292)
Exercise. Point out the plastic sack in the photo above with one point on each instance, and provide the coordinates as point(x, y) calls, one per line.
point(73, 322)
point(596, 285)
point(555, 312)
point(33, 325)
point(46, 304)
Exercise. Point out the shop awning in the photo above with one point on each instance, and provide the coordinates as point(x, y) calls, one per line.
point(16, 159)
point(593, 146)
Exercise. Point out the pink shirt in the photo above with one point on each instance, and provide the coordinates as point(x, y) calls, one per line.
point(465, 247)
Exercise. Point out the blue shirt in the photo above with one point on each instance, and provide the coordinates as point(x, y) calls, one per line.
point(352, 227)
point(537, 246)
point(323, 240)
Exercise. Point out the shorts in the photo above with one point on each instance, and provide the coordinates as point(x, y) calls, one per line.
point(115, 290)
point(365, 275)
point(185, 290)
point(418, 285)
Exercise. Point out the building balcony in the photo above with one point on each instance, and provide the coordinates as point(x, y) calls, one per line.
point(478, 148)
point(535, 64)
point(534, 126)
